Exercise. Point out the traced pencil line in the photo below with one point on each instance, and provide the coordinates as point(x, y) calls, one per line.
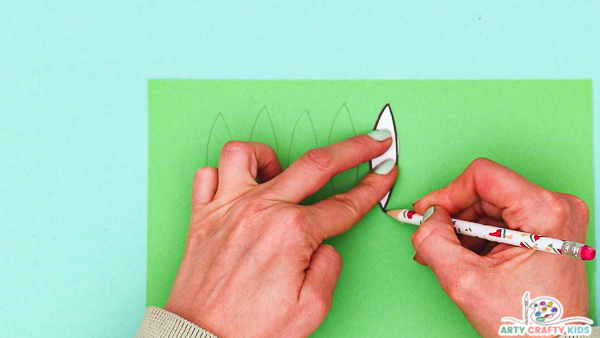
point(343, 110)
point(294, 130)
point(344, 107)
point(210, 133)
point(311, 199)
point(264, 109)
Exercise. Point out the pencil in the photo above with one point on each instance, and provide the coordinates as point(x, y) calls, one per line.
point(506, 236)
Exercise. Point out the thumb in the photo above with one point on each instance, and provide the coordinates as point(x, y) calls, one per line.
point(319, 282)
point(437, 245)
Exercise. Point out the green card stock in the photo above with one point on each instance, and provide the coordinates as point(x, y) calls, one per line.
point(541, 129)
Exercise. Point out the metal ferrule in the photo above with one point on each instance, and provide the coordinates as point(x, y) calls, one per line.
point(571, 249)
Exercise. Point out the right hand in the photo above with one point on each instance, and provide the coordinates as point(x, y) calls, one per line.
point(487, 280)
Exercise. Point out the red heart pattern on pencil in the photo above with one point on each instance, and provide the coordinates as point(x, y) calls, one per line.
point(496, 233)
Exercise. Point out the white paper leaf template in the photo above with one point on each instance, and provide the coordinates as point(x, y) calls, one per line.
point(386, 121)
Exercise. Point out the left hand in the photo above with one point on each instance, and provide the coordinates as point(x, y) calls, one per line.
point(254, 264)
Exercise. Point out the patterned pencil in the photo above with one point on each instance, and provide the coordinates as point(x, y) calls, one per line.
point(506, 236)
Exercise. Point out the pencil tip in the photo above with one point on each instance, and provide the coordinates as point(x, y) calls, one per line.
point(393, 213)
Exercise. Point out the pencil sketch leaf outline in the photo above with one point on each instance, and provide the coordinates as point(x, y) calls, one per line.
point(211, 136)
point(343, 114)
point(295, 130)
point(343, 109)
point(265, 111)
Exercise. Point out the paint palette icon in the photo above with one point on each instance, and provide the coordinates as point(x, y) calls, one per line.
point(545, 310)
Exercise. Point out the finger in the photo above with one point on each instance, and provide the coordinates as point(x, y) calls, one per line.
point(474, 244)
point(578, 217)
point(309, 173)
point(418, 259)
point(437, 246)
point(515, 196)
point(320, 280)
point(482, 179)
point(241, 162)
point(479, 210)
point(205, 185)
point(339, 213)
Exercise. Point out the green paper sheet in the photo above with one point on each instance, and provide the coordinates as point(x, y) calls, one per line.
point(541, 129)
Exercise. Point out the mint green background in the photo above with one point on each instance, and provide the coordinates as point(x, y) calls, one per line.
point(73, 114)
point(542, 129)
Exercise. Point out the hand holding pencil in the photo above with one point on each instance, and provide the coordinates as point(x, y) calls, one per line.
point(503, 235)
point(487, 279)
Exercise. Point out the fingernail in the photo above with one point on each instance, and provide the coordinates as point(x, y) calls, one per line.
point(415, 257)
point(384, 167)
point(428, 213)
point(380, 134)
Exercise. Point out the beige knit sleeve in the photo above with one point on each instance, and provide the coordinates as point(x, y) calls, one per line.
point(159, 323)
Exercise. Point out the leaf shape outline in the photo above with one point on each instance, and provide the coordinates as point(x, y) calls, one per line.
point(385, 120)
point(296, 130)
point(339, 131)
point(264, 118)
point(304, 124)
point(216, 139)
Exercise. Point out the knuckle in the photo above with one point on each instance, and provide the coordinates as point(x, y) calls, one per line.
point(203, 172)
point(318, 159)
point(250, 215)
point(319, 305)
point(369, 188)
point(423, 233)
point(333, 256)
point(459, 289)
point(580, 210)
point(580, 207)
point(558, 206)
point(415, 238)
point(349, 204)
point(198, 231)
point(480, 163)
point(255, 207)
point(361, 142)
point(293, 234)
point(295, 219)
point(235, 146)
point(323, 306)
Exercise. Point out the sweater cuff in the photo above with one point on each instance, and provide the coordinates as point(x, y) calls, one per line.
point(159, 323)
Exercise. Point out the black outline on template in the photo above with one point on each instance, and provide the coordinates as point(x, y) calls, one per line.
point(383, 207)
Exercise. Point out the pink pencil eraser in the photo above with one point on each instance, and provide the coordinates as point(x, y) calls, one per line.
point(587, 253)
